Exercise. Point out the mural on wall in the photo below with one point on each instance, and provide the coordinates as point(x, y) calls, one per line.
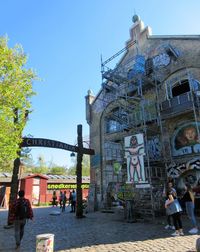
point(134, 153)
point(161, 60)
point(166, 142)
point(154, 148)
point(193, 178)
point(186, 173)
point(120, 192)
point(117, 167)
point(186, 140)
point(175, 170)
point(138, 67)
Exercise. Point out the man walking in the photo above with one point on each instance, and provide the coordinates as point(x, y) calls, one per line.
point(73, 201)
point(21, 211)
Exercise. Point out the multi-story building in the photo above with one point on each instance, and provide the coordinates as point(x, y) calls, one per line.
point(144, 122)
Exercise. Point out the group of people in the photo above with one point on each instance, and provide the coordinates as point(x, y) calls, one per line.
point(63, 200)
point(174, 209)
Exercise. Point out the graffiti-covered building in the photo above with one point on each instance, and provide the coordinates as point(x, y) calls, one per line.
point(144, 122)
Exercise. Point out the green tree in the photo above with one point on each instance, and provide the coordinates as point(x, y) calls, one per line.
point(41, 166)
point(15, 93)
point(85, 166)
point(58, 170)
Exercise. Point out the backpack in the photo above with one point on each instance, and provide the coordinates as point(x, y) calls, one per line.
point(22, 210)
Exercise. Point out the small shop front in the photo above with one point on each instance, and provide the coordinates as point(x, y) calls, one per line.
point(67, 184)
point(39, 188)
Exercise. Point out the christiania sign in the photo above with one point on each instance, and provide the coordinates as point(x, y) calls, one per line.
point(42, 142)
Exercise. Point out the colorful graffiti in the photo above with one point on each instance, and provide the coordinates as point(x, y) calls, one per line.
point(117, 167)
point(134, 153)
point(175, 170)
point(154, 148)
point(120, 191)
point(186, 140)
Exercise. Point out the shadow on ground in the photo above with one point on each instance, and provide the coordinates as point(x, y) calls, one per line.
point(94, 230)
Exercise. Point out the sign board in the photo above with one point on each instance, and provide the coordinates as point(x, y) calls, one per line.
point(42, 142)
point(65, 186)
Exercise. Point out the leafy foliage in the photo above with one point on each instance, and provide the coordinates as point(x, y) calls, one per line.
point(85, 167)
point(58, 170)
point(15, 93)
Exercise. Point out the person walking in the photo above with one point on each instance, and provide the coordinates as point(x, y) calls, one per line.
point(64, 201)
point(73, 204)
point(54, 199)
point(173, 192)
point(70, 200)
point(174, 209)
point(22, 211)
point(61, 199)
point(188, 198)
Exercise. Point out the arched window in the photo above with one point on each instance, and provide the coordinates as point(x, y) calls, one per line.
point(184, 86)
point(180, 87)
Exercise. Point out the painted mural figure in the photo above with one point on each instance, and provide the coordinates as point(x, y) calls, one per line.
point(187, 137)
point(135, 167)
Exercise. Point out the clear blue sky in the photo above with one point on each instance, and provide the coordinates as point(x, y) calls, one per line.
point(64, 41)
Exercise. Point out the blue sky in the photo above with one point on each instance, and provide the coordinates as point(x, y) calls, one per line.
point(64, 41)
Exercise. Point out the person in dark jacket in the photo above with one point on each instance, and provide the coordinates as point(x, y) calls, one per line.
point(22, 211)
point(188, 198)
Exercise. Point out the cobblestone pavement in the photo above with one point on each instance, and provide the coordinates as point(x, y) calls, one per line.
point(97, 232)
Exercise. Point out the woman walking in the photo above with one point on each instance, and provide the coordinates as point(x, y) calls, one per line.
point(174, 209)
point(188, 198)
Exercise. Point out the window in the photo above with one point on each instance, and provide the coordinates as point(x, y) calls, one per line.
point(117, 121)
point(180, 88)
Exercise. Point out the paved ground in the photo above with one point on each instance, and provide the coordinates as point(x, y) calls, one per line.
point(98, 232)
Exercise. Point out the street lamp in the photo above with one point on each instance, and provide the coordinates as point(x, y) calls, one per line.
point(72, 154)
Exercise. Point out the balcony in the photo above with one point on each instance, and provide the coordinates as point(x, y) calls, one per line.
point(177, 105)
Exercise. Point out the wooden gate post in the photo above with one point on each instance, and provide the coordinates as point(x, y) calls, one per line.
point(79, 208)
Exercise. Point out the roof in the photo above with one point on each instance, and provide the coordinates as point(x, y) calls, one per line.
point(33, 176)
point(175, 37)
point(52, 178)
point(62, 178)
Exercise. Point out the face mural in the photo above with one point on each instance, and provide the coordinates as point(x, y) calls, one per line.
point(186, 140)
point(134, 153)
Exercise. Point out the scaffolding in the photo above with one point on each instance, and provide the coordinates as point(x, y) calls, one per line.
point(126, 84)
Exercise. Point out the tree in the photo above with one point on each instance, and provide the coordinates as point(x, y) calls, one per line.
point(15, 93)
point(85, 166)
point(41, 166)
point(58, 170)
